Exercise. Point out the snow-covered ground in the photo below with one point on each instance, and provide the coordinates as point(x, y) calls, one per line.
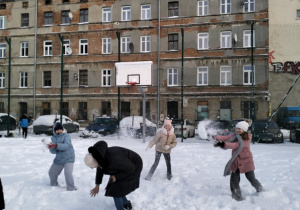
point(197, 182)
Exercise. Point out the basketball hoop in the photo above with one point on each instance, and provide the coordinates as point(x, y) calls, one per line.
point(131, 83)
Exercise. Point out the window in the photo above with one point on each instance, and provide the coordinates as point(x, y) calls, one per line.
point(23, 79)
point(247, 38)
point(83, 77)
point(2, 80)
point(246, 108)
point(146, 12)
point(126, 13)
point(202, 41)
point(83, 1)
point(172, 77)
point(2, 6)
point(84, 16)
point(202, 110)
point(173, 41)
point(25, 20)
point(2, 107)
point(83, 46)
point(66, 45)
point(65, 19)
point(106, 108)
point(298, 16)
point(125, 41)
point(202, 78)
point(48, 2)
point(66, 78)
point(65, 2)
point(106, 14)
point(145, 43)
point(202, 8)
point(106, 74)
point(249, 5)
point(47, 78)
point(65, 108)
point(46, 108)
point(225, 6)
point(48, 18)
point(226, 39)
point(248, 74)
point(47, 48)
point(24, 49)
point(225, 75)
point(2, 22)
point(173, 9)
point(25, 4)
point(82, 110)
point(106, 45)
point(2, 50)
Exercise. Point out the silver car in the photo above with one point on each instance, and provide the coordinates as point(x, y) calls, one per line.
point(188, 128)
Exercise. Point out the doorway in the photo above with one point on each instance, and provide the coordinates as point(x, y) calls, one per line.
point(172, 111)
point(125, 109)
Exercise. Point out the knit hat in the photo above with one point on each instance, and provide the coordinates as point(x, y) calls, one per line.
point(167, 122)
point(90, 161)
point(242, 125)
point(58, 126)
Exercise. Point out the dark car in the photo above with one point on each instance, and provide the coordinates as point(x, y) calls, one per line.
point(103, 125)
point(4, 121)
point(270, 135)
point(44, 124)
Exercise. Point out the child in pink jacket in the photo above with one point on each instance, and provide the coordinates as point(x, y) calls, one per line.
point(242, 159)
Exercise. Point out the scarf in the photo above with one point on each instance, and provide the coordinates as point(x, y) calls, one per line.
point(235, 154)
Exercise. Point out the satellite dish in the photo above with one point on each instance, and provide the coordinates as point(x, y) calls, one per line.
point(68, 51)
point(235, 37)
point(70, 15)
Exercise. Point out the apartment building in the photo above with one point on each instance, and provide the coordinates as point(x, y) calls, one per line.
point(217, 61)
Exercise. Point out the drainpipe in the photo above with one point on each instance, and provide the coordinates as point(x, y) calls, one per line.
point(158, 62)
point(34, 74)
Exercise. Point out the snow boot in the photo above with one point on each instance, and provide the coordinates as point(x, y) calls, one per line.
point(169, 176)
point(148, 177)
point(237, 195)
point(127, 206)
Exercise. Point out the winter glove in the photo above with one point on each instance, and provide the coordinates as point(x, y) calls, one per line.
point(219, 144)
point(213, 137)
point(167, 147)
point(52, 146)
point(147, 148)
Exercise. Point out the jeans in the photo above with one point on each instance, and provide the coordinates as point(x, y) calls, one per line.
point(155, 164)
point(119, 202)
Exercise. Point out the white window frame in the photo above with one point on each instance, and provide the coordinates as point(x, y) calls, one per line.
point(247, 5)
point(225, 7)
point(226, 39)
point(125, 41)
point(2, 22)
point(47, 48)
point(24, 49)
point(145, 44)
point(172, 76)
point(2, 50)
point(247, 38)
point(226, 71)
point(85, 47)
point(106, 14)
point(106, 76)
point(106, 45)
point(247, 72)
point(2, 79)
point(66, 45)
point(23, 79)
point(203, 8)
point(202, 71)
point(203, 41)
point(126, 13)
point(145, 11)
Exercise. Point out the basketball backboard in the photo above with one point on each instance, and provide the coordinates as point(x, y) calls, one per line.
point(139, 73)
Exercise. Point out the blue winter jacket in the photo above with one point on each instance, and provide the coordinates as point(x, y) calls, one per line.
point(64, 150)
point(24, 123)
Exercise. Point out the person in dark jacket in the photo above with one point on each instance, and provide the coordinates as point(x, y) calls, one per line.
point(124, 167)
point(2, 203)
point(24, 121)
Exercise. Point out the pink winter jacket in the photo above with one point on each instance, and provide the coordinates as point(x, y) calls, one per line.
point(244, 161)
point(161, 139)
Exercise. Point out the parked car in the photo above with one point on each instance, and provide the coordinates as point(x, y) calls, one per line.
point(133, 126)
point(44, 124)
point(288, 117)
point(103, 125)
point(188, 128)
point(270, 135)
point(295, 135)
point(4, 121)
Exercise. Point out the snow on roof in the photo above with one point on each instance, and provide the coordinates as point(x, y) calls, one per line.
point(127, 122)
point(5, 114)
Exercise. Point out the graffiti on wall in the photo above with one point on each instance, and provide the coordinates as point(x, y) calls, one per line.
point(286, 67)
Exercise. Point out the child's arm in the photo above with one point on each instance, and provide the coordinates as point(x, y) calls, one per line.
point(224, 138)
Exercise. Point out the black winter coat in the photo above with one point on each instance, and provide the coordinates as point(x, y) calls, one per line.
point(2, 204)
point(124, 164)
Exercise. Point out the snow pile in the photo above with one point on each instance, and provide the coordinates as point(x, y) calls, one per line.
point(88, 134)
point(205, 131)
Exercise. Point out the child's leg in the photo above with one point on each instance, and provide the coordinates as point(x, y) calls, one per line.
point(235, 185)
point(25, 132)
point(54, 171)
point(154, 166)
point(168, 162)
point(118, 203)
point(254, 182)
point(69, 176)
